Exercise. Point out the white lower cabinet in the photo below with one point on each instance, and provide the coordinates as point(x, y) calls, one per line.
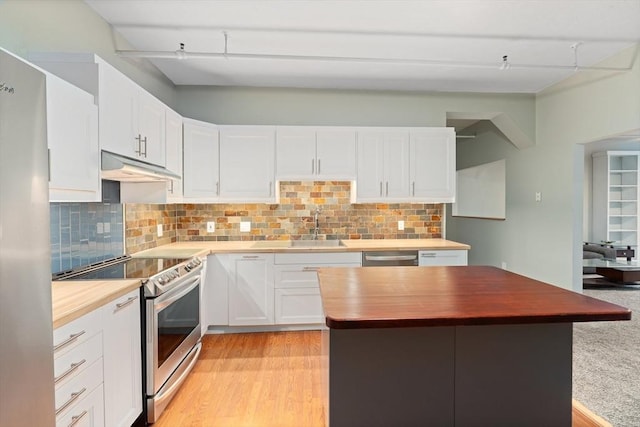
point(250, 289)
point(442, 257)
point(97, 366)
point(297, 291)
point(122, 360)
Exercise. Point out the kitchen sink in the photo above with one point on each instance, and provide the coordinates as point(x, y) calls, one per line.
point(316, 243)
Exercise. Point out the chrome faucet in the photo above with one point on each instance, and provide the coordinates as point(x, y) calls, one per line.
point(316, 223)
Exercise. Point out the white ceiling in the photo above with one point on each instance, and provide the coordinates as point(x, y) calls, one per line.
point(429, 45)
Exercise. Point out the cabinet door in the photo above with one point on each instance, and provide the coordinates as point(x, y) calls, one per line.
point(151, 128)
point(336, 154)
point(117, 108)
point(370, 183)
point(247, 157)
point(201, 160)
point(295, 153)
point(122, 360)
point(173, 145)
point(88, 412)
point(72, 137)
point(396, 165)
point(251, 289)
point(298, 305)
point(433, 165)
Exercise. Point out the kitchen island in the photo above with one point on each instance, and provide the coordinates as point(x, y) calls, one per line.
point(450, 346)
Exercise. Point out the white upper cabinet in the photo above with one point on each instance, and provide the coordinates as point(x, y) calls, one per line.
point(433, 165)
point(201, 177)
point(383, 165)
point(173, 143)
point(72, 137)
point(132, 121)
point(317, 153)
point(247, 157)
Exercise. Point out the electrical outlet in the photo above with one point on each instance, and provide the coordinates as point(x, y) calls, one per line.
point(211, 227)
point(400, 225)
point(99, 228)
point(107, 228)
point(245, 226)
point(538, 196)
point(159, 230)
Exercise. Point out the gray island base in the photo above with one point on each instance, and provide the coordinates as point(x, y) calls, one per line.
point(449, 346)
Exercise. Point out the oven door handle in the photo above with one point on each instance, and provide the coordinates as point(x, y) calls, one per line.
point(175, 294)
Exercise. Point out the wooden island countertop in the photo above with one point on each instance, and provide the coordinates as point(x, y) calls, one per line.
point(391, 297)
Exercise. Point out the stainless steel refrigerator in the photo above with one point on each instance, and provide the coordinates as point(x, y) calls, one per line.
point(26, 340)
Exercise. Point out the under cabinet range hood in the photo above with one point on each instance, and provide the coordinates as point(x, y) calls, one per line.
point(124, 169)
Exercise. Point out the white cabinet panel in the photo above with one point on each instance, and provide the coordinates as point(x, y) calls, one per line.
point(151, 128)
point(250, 289)
point(433, 165)
point(173, 144)
point(298, 305)
point(122, 360)
point(295, 152)
point(247, 163)
point(442, 257)
point(201, 176)
point(383, 165)
point(117, 110)
point(315, 153)
point(88, 412)
point(72, 138)
point(336, 154)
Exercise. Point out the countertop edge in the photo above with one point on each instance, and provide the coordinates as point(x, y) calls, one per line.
point(73, 299)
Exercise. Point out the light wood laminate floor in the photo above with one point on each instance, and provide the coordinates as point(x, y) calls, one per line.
point(265, 380)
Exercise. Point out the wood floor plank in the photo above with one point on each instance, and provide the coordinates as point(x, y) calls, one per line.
point(266, 380)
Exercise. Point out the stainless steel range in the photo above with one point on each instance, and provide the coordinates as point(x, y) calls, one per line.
point(170, 319)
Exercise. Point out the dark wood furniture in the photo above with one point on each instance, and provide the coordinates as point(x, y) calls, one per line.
point(449, 346)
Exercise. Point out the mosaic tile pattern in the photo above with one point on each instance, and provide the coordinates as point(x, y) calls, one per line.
point(142, 226)
point(291, 219)
point(84, 233)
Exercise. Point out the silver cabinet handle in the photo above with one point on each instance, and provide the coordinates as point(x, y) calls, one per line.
point(318, 166)
point(387, 185)
point(73, 398)
point(171, 187)
point(428, 255)
point(68, 341)
point(76, 418)
point(413, 188)
point(381, 188)
point(270, 188)
point(145, 147)
point(122, 305)
point(313, 166)
point(139, 150)
point(310, 269)
point(217, 188)
point(250, 256)
point(72, 368)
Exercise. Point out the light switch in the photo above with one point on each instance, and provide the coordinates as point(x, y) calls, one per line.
point(400, 225)
point(245, 226)
point(211, 227)
point(159, 230)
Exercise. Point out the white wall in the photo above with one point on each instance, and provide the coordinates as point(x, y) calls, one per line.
point(72, 26)
point(543, 240)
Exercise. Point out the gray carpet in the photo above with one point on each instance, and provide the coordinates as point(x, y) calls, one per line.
point(606, 357)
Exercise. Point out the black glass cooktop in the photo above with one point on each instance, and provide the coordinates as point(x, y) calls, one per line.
point(125, 268)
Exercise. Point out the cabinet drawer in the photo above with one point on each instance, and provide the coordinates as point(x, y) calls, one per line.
point(87, 412)
point(69, 336)
point(76, 389)
point(319, 258)
point(442, 258)
point(298, 305)
point(300, 275)
point(71, 363)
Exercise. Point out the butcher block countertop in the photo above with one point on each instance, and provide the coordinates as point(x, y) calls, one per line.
point(270, 246)
point(393, 297)
point(75, 298)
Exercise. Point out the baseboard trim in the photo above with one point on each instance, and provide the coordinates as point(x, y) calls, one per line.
point(588, 416)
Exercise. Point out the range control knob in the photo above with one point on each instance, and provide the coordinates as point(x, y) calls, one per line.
point(161, 280)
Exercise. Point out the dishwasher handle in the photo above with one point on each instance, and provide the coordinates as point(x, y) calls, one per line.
point(390, 257)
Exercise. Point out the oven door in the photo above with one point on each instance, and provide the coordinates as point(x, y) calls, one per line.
point(173, 330)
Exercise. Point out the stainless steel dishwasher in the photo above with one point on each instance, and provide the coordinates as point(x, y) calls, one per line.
point(389, 258)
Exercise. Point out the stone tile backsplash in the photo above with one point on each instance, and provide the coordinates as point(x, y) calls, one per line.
point(291, 219)
point(84, 233)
